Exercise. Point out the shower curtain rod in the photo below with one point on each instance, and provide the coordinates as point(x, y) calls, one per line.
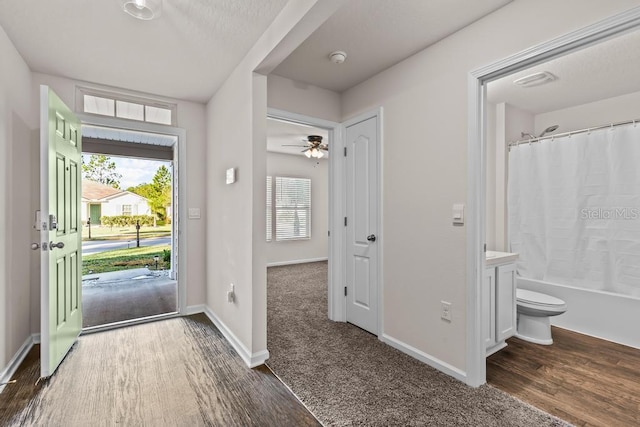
point(573, 132)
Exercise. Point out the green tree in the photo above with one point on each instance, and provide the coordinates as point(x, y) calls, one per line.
point(101, 169)
point(158, 192)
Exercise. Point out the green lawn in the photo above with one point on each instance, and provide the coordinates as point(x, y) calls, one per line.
point(124, 259)
point(124, 233)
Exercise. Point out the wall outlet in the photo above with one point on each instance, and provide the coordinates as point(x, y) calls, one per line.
point(446, 311)
point(231, 295)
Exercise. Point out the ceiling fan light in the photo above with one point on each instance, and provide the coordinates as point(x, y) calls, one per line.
point(308, 154)
point(145, 10)
point(320, 154)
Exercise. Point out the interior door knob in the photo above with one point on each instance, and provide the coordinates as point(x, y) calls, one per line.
point(371, 238)
point(35, 246)
point(58, 245)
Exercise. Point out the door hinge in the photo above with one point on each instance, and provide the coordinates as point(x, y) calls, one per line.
point(345, 151)
point(345, 291)
point(329, 233)
point(345, 221)
point(485, 247)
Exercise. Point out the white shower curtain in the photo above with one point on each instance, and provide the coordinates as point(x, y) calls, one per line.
point(574, 209)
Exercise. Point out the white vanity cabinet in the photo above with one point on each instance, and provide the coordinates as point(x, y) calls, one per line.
point(498, 301)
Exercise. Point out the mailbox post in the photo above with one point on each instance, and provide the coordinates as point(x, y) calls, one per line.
point(138, 234)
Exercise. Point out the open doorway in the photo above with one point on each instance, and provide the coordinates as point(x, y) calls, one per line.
point(128, 239)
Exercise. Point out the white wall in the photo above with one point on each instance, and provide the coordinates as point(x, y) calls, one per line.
point(302, 98)
point(318, 246)
point(17, 121)
point(236, 138)
point(191, 117)
point(510, 122)
point(490, 178)
point(611, 110)
point(425, 136)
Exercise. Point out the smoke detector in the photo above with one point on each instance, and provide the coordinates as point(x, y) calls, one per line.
point(337, 57)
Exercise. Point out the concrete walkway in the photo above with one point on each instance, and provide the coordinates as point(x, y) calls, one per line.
point(113, 277)
point(125, 295)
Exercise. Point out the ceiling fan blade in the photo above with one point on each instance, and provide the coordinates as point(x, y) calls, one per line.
point(291, 145)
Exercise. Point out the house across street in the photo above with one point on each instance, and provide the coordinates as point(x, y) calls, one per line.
point(100, 200)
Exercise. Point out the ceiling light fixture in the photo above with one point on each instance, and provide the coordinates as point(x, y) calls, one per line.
point(338, 57)
point(145, 10)
point(535, 79)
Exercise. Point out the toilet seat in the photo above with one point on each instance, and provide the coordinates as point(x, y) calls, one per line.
point(533, 299)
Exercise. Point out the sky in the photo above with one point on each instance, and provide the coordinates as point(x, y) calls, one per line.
point(135, 171)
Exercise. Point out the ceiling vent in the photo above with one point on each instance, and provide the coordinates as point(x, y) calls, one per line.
point(535, 79)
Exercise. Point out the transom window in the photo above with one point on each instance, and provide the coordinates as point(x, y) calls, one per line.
point(124, 107)
point(288, 208)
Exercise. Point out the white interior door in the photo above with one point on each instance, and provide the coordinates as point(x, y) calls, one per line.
point(362, 222)
point(61, 235)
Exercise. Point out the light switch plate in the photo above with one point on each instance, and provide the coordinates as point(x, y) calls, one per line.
point(231, 175)
point(458, 214)
point(446, 311)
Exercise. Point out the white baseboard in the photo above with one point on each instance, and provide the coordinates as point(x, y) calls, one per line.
point(425, 358)
point(194, 309)
point(251, 359)
point(296, 261)
point(17, 359)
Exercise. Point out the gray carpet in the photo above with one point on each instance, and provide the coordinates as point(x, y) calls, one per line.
point(347, 377)
point(176, 372)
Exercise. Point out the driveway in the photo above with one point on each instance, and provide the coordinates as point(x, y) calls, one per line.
point(97, 246)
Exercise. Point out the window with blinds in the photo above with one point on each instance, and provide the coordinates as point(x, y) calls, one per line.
point(289, 201)
point(269, 210)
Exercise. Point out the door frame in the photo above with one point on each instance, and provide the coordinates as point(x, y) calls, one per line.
point(179, 209)
point(378, 115)
point(336, 301)
point(336, 306)
point(476, 160)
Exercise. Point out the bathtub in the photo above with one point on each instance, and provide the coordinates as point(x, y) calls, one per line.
point(600, 314)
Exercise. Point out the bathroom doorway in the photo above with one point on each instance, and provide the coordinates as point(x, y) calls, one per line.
point(566, 98)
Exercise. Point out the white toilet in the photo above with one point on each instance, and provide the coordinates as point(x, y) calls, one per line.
point(534, 310)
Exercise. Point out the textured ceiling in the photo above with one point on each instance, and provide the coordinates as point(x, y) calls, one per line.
point(281, 133)
point(186, 53)
point(605, 70)
point(377, 34)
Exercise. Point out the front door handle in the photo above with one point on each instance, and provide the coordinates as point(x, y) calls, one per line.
point(371, 238)
point(58, 245)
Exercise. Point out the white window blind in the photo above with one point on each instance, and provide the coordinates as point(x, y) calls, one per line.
point(293, 208)
point(269, 210)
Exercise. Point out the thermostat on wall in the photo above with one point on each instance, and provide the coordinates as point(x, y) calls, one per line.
point(231, 175)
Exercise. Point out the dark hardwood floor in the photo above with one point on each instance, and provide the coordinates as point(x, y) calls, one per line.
point(173, 372)
point(583, 380)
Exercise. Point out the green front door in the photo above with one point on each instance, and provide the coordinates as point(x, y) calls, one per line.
point(61, 280)
point(95, 212)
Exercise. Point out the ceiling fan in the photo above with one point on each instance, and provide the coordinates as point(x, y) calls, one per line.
point(314, 146)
